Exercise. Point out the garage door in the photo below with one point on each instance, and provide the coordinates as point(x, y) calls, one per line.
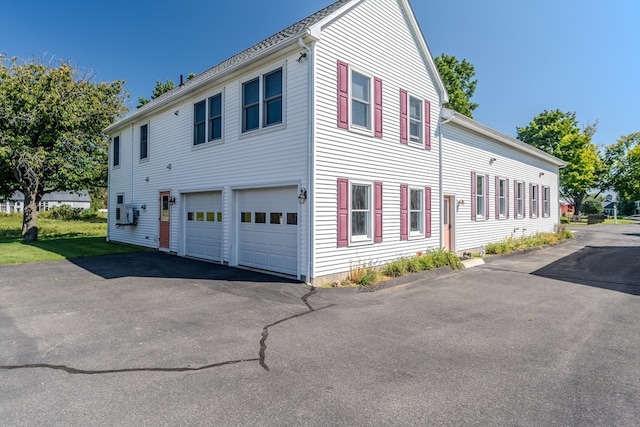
point(203, 226)
point(268, 229)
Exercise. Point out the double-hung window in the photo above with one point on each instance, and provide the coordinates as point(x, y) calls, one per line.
point(262, 101)
point(519, 190)
point(416, 125)
point(144, 142)
point(502, 197)
point(207, 120)
point(480, 196)
point(116, 151)
point(360, 212)
point(416, 214)
point(546, 198)
point(360, 100)
point(533, 192)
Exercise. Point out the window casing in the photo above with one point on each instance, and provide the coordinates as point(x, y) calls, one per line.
point(116, 151)
point(546, 198)
point(502, 198)
point(360, 100)
point(520, 200)
point(416, 121)
point(360, 212)
point(144, 142)
point(480, 196)
point(262, 101)
point(207, 120)
point(416, 213)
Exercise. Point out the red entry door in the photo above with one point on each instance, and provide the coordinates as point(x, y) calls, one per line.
point(164, 220)
point(446, 217)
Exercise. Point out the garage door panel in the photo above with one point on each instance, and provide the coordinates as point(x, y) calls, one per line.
point(269, 241)
point(203, 231)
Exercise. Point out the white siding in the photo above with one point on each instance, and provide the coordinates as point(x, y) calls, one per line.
point(268, 157)
point(465, 152)
point(373, 38)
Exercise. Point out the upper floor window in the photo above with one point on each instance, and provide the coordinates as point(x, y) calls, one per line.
point(415, 119)
point(262, 101)
point(415, 116)
point(116, 151)
point(144, 142)
point(207, 126)
point(359, 101)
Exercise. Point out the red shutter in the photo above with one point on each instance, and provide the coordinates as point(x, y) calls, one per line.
point(343, 212)
point(486, 197)
point(404, 212)
point(377, 96)
point(377, 219)
point(427, 212)
point(427, 125)
point(497, 197)
point(473, 196)
point(404, 119)
point(343, 95)
point(539, 201)
point(506, 198)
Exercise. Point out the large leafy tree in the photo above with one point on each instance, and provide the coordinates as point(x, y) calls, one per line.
point(558, 134)
point(51, 122)
point(458, 77)
point(624, 160)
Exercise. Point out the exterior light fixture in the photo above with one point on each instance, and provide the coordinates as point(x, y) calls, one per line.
point(491, 160)
point(302, 197)
point(172, 200)
point(541, 174)
point(460, 202)
point(169, 166)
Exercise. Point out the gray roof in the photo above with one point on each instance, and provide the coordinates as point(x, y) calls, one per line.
point(289, 34)
point(58, 196)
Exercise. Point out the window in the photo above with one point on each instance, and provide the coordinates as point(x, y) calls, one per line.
point(215, 117)
point(415, 119)
point(546, 198)
point(144, 142)
point(359, 101)
point(119, 201)
point(292, 218)
point(480, 196)
point(199, 122)
point(519, 199)
point(261, 217)
point(415, 211)
point(268, 100)
point(116, 151)
point(501, 196)
point(207, 126)
point(533, 192)
point(359, 212)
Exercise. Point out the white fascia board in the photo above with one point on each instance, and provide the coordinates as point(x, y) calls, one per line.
point(448, 115)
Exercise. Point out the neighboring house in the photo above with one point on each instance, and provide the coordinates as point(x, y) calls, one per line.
point(78, 199)
point(319, 149)
point(566, 208)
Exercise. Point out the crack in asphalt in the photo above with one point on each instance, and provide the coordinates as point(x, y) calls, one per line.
point(260, 359)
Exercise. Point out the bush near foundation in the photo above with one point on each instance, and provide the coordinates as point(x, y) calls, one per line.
point(517, 244)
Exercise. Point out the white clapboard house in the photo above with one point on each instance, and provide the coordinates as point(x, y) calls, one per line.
point(321, 148)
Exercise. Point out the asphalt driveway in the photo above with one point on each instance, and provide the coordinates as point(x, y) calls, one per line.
point(545, 338)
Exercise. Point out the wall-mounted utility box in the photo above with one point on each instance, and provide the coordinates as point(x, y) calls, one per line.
point(126, 214)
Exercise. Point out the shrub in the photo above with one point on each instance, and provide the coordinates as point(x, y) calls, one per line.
point(515, 244)
point(63, 212)
point(564, 220)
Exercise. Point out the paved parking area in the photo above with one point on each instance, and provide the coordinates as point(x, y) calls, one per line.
point(545, 338)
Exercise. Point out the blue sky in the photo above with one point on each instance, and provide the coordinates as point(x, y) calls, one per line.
point(574, 55)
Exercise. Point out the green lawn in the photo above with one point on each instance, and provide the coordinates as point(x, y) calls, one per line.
point(58, 239)
point(606, 221)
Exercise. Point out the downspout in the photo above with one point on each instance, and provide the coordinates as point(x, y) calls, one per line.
point(310, 154)
point(109, 186)
point(132, 150)
point(443, 120)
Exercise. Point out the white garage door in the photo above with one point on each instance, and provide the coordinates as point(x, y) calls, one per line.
point(203, 226)
point(268, 229)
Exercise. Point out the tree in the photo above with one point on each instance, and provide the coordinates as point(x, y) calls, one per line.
point(592, 205)
point(160, 89)
point(458, 80)
point(624, 160)
point(557, 133)
point(51, 123)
